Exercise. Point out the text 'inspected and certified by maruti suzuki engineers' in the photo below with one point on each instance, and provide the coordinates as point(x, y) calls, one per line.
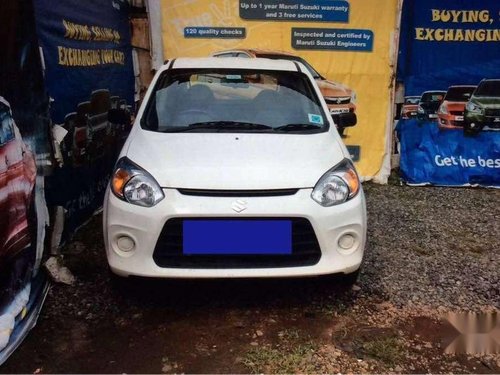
point(234, 168)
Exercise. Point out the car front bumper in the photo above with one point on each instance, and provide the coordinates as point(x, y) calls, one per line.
point(144, 226)
point(449, 121)
point(481, 121)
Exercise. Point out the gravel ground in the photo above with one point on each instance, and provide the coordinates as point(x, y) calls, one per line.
point(431, 251)
point(434, 246)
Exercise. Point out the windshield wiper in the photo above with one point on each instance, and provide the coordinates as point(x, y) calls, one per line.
point(220, 125)
point(239, 125)
point(228, 125)
point(291, 127)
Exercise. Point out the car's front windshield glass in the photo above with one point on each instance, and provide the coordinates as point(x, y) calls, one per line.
point(412, 100)
point(488, 88)
point(432, 97)
point(459, 94)
point(309, 67)
point(234, 100)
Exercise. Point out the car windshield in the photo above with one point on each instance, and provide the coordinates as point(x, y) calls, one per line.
point(412, 100)
point(6, 122)
point(432, 96)
point(309, 67)
point(459, 94)
point(234, 100)
point(488, 88)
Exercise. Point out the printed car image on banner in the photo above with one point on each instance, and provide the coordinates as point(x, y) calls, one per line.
point(89, 76)
point(449, 64)
point(24, 161)
point(346, 45)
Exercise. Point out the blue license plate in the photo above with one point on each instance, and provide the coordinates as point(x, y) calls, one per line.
point(237, 237)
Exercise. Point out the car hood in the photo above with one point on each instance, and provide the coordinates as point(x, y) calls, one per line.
point(410, 107)
point(486, 102)
point(330, 88)
point(230, 161)
point(455, 106)
point(430, 106)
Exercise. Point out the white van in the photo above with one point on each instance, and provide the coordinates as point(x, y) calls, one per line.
point(234, 168)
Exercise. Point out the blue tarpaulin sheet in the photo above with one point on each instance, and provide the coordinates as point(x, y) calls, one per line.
point(447, 157)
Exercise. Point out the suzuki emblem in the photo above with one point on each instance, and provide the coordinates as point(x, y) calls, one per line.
point(239, 206)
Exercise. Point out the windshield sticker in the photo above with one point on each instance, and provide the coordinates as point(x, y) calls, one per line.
point(315, 119)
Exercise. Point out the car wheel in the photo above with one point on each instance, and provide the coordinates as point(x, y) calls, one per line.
point(119, 283)
point(469, 132)
point(350, 279)
point(33, 221)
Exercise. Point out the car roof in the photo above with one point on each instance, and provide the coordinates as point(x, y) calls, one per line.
point(462, 86)
point(257, 51)
point(434, 92)
point(231, 62)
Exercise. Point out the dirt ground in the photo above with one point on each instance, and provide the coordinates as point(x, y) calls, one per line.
point(431, 251)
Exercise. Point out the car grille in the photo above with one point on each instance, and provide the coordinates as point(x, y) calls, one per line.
point(339, 100)
point(492, 112)
point(238, 193)
point(305, 249)
point(457, 113)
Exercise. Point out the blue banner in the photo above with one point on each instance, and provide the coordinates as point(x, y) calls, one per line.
point(332, 39)
point(447, 157)
point(448, 42)
point(295, 10)
point(89, 75)
point(215, 32)
point(449, 70)
point(86, 47)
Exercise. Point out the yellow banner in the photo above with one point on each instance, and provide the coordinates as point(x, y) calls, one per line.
point(347, 42)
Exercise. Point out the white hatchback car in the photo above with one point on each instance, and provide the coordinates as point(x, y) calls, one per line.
point(234, 168)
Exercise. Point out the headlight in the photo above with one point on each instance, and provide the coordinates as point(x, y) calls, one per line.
point(420, 109)
point(471, 107)
point(443, 108)
point(353, 97)
point(133, 184)
point(338, 185)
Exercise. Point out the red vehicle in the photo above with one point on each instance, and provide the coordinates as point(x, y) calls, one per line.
point(451, 111)
point(98, 127)
point(341, 100)
point(17, 182)
point(410, 106)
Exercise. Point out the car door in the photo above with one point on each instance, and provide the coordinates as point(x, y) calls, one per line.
point(21, 175)
point(15, 207)
point(4, 187)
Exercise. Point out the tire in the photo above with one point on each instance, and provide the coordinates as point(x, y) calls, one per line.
point(468, 132)
point(33, 221)
point(349, 279)
point(122, 284)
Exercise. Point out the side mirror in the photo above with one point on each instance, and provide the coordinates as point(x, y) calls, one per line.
point(337, 119)
point(119, 116)
point(345, 120)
